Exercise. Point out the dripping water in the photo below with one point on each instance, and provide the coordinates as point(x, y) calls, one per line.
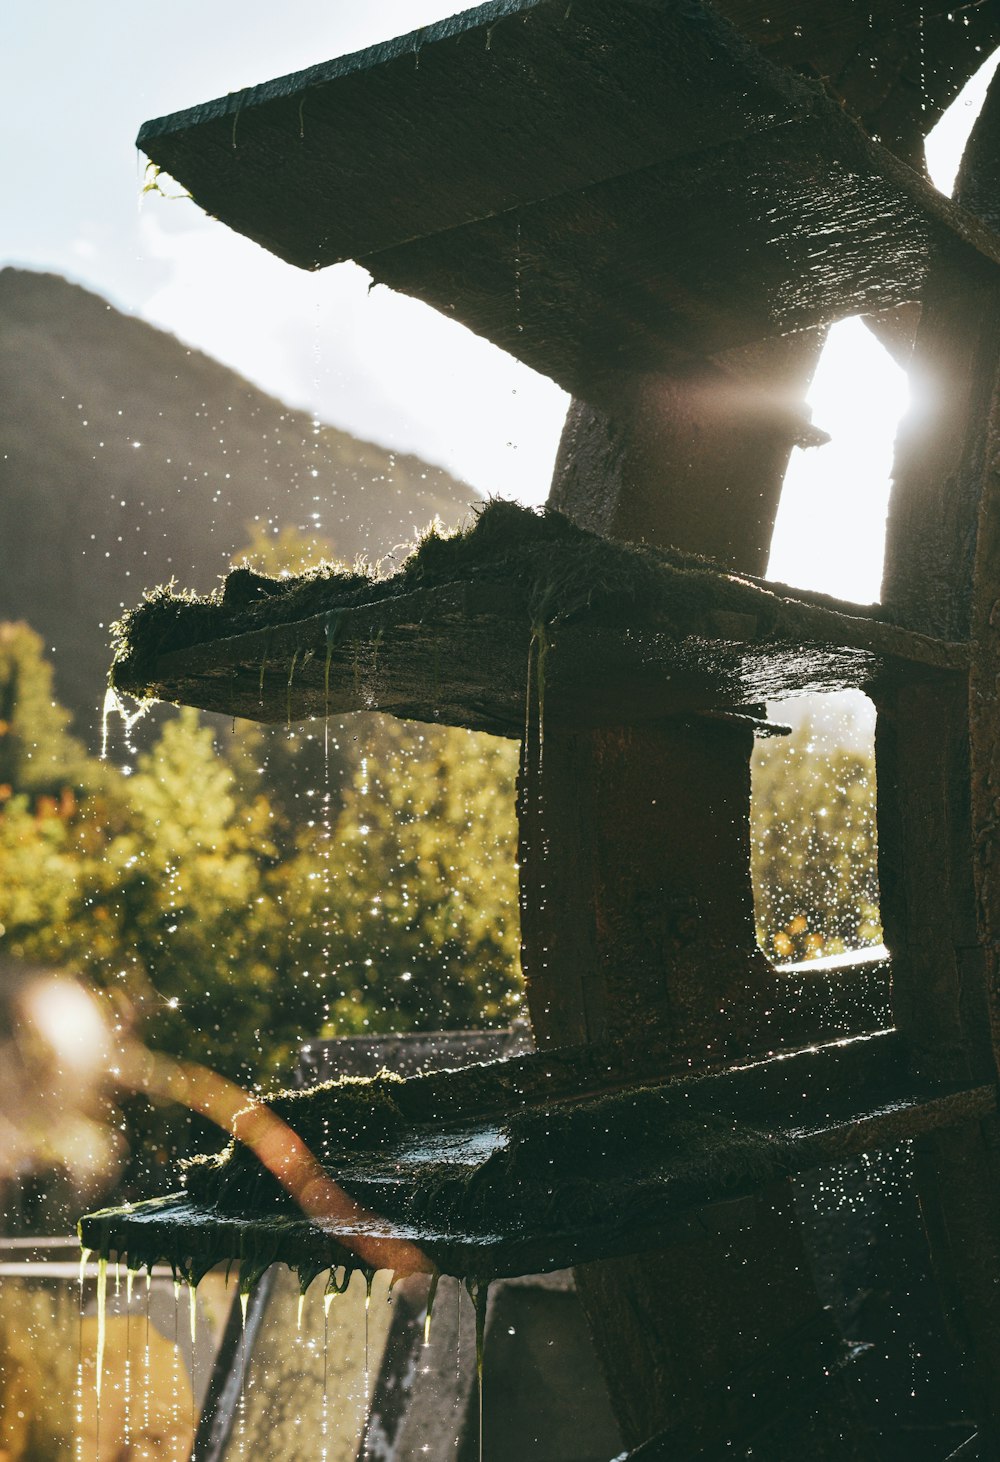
point(479, 1294)
point(113, 704)
point(84, 1256)
point(288, 698)
point(242, 1409)
point(176, 1359)
point(518, 322)
point(431, 1293)
point(102, 1316)
point(325, 1423)
point(193, 1321)
point(129, 1286)
point(263, 668)
point(147, 1358)
point(368, 1304)
point(458, 1345)
point(331, 632)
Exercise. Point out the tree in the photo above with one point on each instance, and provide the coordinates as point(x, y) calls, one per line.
point(406, 901)
point(38, 756)
point(230, 934)
point(814, 846)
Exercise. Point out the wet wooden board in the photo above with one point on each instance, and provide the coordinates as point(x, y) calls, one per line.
point(816, 1106)
point(459, 655)
point(589, 184)
point(895, 64)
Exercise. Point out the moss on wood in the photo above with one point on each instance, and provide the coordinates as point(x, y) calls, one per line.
point(491, 1174)
point(560, 569)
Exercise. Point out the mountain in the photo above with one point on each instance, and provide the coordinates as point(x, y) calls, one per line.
point(127, 460)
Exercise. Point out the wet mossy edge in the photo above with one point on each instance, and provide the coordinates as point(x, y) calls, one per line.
point(557, 571)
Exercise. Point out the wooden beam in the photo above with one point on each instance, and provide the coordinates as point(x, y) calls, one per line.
point(658, 640)
point(601, 186)
point(937, 780)
point(895, 64)
point(540, 1185)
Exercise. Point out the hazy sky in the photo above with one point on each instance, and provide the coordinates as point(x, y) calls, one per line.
point(77, 81)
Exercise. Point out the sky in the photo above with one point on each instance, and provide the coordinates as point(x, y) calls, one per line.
point(77, 81)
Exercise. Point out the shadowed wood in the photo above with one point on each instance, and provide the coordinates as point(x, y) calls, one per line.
point(599, 186)
point(490, 1190)
point(937, 759)
point(895, 64)
point(459, 655)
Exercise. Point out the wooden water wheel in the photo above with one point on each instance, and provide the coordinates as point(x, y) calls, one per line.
point(636, 200)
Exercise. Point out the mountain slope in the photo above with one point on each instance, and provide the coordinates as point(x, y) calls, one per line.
point(127, 459)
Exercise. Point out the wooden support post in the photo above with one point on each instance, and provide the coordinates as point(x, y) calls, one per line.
point(939, 769)
point(637, 913)
point(694, 461)
point(637, 916)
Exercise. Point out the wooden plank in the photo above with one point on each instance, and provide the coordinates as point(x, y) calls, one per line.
point(470, 1194)
point(655, 269)
point(601, 185)
point(458, 654)
point(895, 64)
point(506, 104)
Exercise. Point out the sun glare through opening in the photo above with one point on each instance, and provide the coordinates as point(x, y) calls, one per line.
point(813, 819)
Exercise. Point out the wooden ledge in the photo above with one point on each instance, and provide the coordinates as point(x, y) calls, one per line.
point(547, 1185)
point(459, 653)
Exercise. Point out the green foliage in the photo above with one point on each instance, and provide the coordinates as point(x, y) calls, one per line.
point(38, 756)
point(814, 846)
point(409, 898)
point(283, 552)
point(226, 931)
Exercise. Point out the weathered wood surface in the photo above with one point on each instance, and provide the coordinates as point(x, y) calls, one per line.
point(494, 1196)
point(741, 1374)
point(652, 271)
point(506, 104)
point(597, 186)
point(459, 655)
point(937, 779)
point(643, 832)
point(724, 429)
point(895, 64)
point(637, 907)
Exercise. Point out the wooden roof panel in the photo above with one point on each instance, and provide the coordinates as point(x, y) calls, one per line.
point(499, 107)
point(596, 186)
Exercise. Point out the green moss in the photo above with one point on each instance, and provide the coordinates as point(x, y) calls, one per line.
point(561, 571)
point(553, 1181)
point(334, 1119)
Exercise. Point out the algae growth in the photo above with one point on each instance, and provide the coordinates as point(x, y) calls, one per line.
point(489, 1193)
point(560, 571)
